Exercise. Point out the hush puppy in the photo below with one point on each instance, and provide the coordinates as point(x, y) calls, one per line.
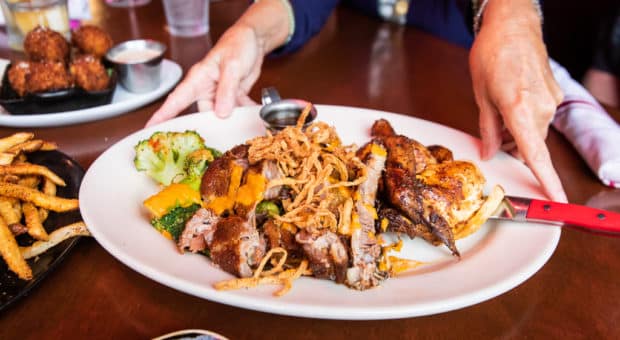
point(89, 73)
point(91, 40)
point(47, 76)
point(17, 76)
point(44, 44)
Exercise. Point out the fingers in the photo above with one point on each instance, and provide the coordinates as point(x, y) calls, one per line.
point(183, 96)
point(245, 100)
point(205, 105)
point(534, 151)
point(553, 86)
point(490, 130)
point(226, 94)
point(521, 122)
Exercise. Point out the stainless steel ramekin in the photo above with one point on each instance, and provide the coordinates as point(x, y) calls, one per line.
point(142, 75)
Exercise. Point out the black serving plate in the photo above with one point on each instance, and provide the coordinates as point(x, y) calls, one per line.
point(54, 101)
point(11, 287)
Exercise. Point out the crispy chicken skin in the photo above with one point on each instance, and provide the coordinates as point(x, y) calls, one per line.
point(47, 76)
point(453, 190)
point(236, 246)
point(402, 148)
point(397, 223)
point(440, 153)
point(217, 179)
point(233, 241)
point(91, 40)
point(407, 157)
point(428, 187)
point(89, 73)
point(281, 237)
point(44, 44)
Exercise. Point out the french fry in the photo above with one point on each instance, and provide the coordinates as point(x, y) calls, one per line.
point(38, 198)
point(14, 139)
point(29, 181)
point(9, 178)
point(11, 253)
point(27, 194)
point(49, 188)
point(7, 212)
point(57, 236)
point(28, 146)
point(20, 158)
point(31, 169)
point(6, 158)
point(17, 206)
point(48, 146)
point(33, 222)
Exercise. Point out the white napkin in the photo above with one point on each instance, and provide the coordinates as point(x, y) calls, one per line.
point(586, 124)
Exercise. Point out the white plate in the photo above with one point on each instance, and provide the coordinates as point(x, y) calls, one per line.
point(122, 102)
point(497, 258)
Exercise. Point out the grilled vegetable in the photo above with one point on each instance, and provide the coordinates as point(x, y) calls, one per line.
point(174, 157)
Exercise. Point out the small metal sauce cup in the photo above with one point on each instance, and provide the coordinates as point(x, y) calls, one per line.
point(141, 75)
point(279, 113)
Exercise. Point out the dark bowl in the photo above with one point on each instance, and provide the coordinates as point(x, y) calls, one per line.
point(53, 101)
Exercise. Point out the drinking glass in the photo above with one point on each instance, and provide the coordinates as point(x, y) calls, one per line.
point(23, 16)
point(126, 3)
point(187, 18)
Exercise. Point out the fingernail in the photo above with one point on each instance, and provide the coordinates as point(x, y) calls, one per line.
point(222, 114)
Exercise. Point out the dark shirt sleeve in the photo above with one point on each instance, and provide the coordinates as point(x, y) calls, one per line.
point(310, 16)
point(447, 19)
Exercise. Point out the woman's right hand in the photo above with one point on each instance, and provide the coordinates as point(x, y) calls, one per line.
point(220, 81)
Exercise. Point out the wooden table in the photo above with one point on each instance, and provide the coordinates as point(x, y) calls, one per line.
point(355, 61)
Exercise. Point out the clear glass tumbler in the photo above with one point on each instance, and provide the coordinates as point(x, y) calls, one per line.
point(126, 3)
point(187, 18)
point(23, 16)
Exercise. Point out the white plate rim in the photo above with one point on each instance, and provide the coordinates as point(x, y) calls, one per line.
point(547, 239)
point(171, 74)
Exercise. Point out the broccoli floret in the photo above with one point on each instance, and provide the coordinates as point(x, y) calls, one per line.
point(268, 208)
point(195, 165)
point(173, 157)
point(172, 223)
point(214, 152)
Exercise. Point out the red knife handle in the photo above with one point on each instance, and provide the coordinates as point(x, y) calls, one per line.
point(575, 215)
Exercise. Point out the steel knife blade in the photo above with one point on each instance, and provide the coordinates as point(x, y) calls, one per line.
point(521, 209)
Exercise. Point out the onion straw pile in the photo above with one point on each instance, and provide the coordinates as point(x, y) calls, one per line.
point(318, 170)
point(316, 167)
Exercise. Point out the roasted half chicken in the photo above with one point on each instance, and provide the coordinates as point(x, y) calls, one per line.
point(427, 193)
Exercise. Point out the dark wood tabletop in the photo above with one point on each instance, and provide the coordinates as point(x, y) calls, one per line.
point(356, 61)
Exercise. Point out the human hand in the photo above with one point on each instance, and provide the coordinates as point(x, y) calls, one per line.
point(221, 80)
point(515, 89)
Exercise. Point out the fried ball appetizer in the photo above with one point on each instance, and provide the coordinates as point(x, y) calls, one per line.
point(89, 73)
point(17, 76)
point(44, 44)
point(47, 76)
point(91, 40)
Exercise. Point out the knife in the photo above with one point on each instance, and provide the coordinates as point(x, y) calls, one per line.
point(520, 209)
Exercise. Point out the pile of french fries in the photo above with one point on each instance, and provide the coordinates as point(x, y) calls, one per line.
point(27, 194)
